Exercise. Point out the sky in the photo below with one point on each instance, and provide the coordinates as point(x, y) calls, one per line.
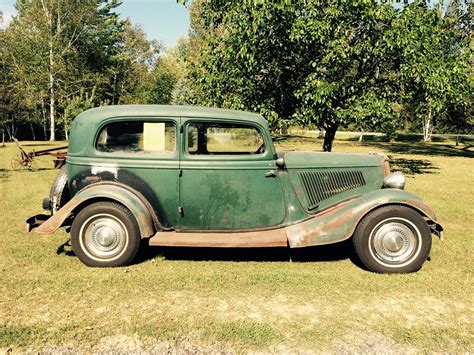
point(163, 20)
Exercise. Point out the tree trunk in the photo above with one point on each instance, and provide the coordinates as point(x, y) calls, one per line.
point(45, 120)
point(11, 130)
point(427, 127)
point(361, 137)
point(321, 132)
point(329, 138)
point(32, 131)
point(52, 102)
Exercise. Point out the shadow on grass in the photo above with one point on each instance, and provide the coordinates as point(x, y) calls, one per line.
point(413, 166)
point(65, 248)
point(4, 174)
point(294, 139)
point(42, 144)
point(324, 253)
point(334, 252)
point(24, 169)
point(405, 144)
point(424, 149)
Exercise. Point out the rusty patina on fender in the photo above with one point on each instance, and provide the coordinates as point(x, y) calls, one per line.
point(137, 204)
point(339, 222)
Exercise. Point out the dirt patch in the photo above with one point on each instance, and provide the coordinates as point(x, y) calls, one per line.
point(372, 343)
point(119, 343)
point(123, 344)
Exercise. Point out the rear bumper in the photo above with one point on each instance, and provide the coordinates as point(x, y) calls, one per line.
point(436, 229)
point(36, 221)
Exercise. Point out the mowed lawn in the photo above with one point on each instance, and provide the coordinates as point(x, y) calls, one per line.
point(275, 300)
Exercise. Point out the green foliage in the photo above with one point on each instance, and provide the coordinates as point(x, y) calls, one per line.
point(329, 64)
point(74, 107)
point(318, 63)
point(350, 79)
point(60, 56)
point(434, 63)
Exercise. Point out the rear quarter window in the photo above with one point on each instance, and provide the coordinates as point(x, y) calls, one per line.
point(138, 137)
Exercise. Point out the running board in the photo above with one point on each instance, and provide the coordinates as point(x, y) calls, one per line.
point(257, 239)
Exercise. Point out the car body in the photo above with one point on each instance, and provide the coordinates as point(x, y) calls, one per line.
point(206, 177)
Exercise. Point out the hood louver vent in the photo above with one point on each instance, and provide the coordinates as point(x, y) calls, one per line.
point(321, 185)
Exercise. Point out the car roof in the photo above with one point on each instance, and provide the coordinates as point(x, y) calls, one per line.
point(96, 115)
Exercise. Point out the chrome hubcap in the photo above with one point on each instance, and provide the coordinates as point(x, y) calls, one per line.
point(103, 236)
point(394, 242)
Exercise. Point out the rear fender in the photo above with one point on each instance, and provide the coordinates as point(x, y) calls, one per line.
point(111, 191)
point(339, 222)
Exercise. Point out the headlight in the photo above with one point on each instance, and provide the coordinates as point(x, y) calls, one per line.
point(394, 180)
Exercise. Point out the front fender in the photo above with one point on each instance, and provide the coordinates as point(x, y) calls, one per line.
point(111, 191)
point(339, 222)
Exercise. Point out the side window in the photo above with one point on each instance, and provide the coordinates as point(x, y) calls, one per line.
point(221, 138)
point(138, 137)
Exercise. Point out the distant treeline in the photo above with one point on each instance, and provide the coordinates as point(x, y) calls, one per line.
point(366, 65)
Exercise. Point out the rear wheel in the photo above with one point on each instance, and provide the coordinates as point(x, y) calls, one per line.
point(105, 234)
point(393, 239)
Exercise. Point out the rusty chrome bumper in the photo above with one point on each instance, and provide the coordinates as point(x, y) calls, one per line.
point(36, 221)
point(437, 230)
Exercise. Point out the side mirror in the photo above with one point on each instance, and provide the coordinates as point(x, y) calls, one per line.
point(280, 162)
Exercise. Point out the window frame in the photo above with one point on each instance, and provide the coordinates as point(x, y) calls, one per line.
point(185, 124)
point(139, 154)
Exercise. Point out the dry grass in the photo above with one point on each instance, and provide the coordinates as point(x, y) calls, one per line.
point(218, 300)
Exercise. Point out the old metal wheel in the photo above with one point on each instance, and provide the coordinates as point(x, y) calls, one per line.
point(393, 239)
point(16, 163)
point(105, 234)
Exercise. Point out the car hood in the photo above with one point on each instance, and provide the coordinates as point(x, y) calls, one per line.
point(314, 160)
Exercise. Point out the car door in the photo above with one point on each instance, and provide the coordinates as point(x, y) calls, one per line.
point(229, 180)
point(142, 153)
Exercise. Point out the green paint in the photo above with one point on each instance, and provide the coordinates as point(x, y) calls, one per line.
point(222, 191)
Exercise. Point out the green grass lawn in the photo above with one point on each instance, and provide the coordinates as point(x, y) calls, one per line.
point(239, 300)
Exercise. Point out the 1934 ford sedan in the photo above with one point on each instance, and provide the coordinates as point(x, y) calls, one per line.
point(201, 177)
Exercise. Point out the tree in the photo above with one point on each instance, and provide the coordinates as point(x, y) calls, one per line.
point(351, 76)
point(132, 75)
point(319, 63)
point(434, 64)
point(55, 47)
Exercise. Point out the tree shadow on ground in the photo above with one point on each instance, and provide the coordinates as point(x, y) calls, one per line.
point(4, 175)
point(412, 166)
point(295, 139)
point(42, 144)
point(424, 149)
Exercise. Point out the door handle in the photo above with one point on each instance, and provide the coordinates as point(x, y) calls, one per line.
point(271, 173)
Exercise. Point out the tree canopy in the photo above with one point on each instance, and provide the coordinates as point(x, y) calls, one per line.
point(329, 64)
point(362, 64)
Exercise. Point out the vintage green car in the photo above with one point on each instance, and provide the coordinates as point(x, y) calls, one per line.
point(202, 177)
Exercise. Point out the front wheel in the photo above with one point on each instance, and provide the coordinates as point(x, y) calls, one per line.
point(393, 239)
point(105, 234)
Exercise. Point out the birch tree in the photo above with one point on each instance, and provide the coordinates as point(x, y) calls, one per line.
point(46, 43)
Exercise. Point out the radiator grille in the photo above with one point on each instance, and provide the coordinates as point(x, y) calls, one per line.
point(321, 185)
